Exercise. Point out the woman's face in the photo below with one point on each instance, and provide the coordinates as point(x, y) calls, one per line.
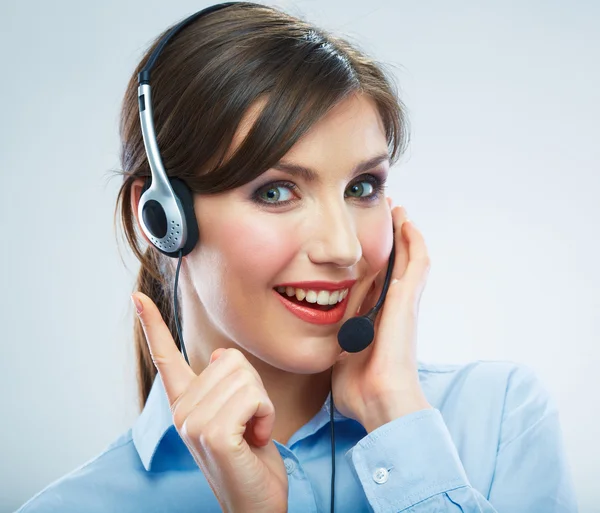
point(286, 228)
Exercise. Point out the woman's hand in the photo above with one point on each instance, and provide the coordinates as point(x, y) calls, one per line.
point(225, 418)
point(381, 383)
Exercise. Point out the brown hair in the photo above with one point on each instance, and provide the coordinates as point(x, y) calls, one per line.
point(203, 83)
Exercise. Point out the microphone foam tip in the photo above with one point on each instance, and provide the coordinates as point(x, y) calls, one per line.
point(356, 334)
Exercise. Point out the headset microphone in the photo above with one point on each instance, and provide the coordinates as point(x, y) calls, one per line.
point(357, 333)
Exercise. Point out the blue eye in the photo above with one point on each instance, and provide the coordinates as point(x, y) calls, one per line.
point(272, 194)
point(357, 189)
point(367, 189)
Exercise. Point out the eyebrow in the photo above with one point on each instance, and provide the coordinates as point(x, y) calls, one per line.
point(310, 175)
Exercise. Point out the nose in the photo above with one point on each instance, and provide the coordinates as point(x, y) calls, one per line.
point(334, 239)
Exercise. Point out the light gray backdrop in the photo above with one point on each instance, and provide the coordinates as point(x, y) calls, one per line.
point(502, 176)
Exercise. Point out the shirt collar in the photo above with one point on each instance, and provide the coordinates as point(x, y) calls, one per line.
point(152, 424)
point(156, 419)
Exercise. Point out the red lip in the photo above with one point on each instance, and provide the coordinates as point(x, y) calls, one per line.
point(312, 315)
point(319, 285)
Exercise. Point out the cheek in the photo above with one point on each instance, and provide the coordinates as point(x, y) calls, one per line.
point(242, 257)
point(257, 249)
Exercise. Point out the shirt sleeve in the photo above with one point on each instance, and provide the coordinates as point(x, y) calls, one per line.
point(412, 465)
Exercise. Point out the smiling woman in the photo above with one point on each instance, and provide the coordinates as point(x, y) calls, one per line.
point(283, 135)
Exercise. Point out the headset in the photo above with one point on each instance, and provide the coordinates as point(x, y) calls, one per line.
point(167, 218)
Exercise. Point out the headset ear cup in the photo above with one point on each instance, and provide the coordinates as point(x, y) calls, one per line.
point(186, 198)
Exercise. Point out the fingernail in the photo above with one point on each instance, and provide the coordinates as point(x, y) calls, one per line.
point(137, 303)
point(213, 357)
point(342, 356)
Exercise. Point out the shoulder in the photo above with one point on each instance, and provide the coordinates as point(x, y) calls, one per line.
point(90, 487)
point(508, 394)
point(116, 480)
point(487, 376)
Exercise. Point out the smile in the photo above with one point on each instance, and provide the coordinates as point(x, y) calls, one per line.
point(321, 297)
point(314, 306)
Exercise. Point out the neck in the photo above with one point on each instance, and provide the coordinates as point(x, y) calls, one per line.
point(297, 398)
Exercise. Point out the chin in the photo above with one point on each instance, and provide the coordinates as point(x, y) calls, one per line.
point(306, 358)
point(301, 357)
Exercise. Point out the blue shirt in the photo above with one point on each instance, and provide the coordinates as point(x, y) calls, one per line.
point(491, 442)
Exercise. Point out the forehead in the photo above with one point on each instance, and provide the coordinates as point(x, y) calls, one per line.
point(350, 132)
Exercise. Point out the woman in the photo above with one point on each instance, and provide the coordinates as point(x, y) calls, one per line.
point(285, 135)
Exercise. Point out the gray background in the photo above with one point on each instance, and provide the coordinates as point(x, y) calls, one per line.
point(502, 177)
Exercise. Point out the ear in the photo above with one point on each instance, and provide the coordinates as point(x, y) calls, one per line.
point(136, 193)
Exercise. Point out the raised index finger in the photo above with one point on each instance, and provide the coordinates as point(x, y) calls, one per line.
point(174, 371)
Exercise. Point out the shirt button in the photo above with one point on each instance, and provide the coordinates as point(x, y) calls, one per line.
point(380, 475)
point(290, 466)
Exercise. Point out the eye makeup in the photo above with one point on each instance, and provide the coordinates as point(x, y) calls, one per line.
point(269, 195)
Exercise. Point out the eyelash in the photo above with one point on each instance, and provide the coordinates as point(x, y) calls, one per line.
point(377, 183)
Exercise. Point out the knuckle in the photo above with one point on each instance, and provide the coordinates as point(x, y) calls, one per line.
point(193, 429)
point(244, 377)
point(159, 360)
point(252, 393)
point(179, 417)
point(210, 435)
point(233, 354)
point(239, 362)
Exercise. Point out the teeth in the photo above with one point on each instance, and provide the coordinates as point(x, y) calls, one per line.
point(311, 296)
point(321, 297)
